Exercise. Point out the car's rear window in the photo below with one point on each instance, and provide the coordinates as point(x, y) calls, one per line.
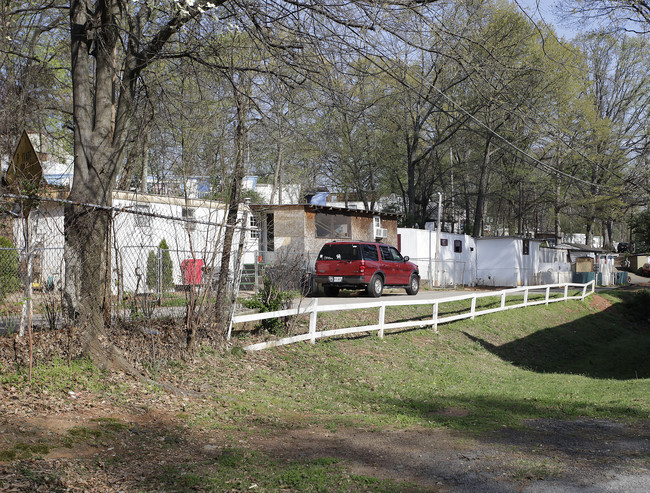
point(340, 252)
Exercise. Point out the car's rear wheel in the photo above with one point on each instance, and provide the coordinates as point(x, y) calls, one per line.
point(414, 285)
point(376, 286)
point(331, 290)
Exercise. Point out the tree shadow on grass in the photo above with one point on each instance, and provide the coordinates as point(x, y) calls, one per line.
point(611, 344)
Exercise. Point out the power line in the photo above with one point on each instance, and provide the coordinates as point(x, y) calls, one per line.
point(538, 164)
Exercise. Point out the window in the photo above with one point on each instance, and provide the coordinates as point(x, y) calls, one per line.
point(397, 257)
point(390, 254)
point(370, 252)
point(332, 225)
point(526, 247)
point(142, 221)
point(188, 214)
point(345, 252)
point(458, 246)
point(253, 224)
point(443, 242)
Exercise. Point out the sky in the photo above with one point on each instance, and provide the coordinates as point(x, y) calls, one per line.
point(543, 9)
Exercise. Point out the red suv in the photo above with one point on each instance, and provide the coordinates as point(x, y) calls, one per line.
point(364, 265)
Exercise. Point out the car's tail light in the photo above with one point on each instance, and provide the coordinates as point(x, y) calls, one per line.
point(362, 267)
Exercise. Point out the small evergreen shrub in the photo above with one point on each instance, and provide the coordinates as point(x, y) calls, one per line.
point(166, 268)
point(152, 270)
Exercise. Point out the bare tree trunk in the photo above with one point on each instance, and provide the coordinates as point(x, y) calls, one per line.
point(589, 233)
point(520, 212)
point(222, 312)
point(137, 157)
point(277, 175)
point(411, 190)
point(480, 194)
point(98, 143)
point(556, 212)
point(107, 305)
point(608, 234)
point(85, 250)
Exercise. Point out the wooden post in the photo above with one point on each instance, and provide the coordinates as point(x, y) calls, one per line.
point(435, 317)
point(473, 312)
point(313, 306)
point(382, 318)
point(548, 293)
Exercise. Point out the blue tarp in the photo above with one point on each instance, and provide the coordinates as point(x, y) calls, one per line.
point(319, 198)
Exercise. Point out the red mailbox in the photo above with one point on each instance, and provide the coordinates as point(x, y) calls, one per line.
point(192, 268)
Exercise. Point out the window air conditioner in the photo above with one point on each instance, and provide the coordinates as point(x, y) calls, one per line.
point(381, 233)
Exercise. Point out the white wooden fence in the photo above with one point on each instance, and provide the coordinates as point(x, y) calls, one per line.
point(313, 309)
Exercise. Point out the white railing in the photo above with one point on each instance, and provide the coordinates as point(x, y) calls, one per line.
point(313, 309)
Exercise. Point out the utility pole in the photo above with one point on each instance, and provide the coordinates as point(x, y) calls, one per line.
point(453, 209)
point(438, 232)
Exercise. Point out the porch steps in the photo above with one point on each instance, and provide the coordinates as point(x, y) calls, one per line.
point(247, 282)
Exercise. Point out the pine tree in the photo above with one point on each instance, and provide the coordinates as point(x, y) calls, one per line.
point(167, 266)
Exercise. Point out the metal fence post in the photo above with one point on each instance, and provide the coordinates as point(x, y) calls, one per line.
point(159, 285)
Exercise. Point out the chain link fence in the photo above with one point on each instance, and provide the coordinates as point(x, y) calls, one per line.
point(164, 257)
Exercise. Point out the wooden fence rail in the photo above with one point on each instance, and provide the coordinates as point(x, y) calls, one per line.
point(313, 309)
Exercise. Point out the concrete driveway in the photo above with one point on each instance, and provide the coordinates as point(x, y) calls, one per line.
point(637, 279)
point(389, 294)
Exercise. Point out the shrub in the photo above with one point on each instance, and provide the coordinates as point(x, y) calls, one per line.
point(152, 270)
point(270, 299)
point(9, 265)
point(166, 268)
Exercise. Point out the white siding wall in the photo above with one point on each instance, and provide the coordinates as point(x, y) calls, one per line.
point(136, 235)
point(501, 262)
point(454, 267)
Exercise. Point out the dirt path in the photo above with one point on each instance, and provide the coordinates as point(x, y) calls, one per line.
point(542, 456)
point(545, 456)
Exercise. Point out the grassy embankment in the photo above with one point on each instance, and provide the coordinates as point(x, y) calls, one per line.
point(562, 361)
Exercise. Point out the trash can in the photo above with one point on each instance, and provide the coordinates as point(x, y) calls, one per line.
point(192, 269)
point(583, 277)
point(622, 278)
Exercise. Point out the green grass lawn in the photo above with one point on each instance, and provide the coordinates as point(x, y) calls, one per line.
point(563, 361)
